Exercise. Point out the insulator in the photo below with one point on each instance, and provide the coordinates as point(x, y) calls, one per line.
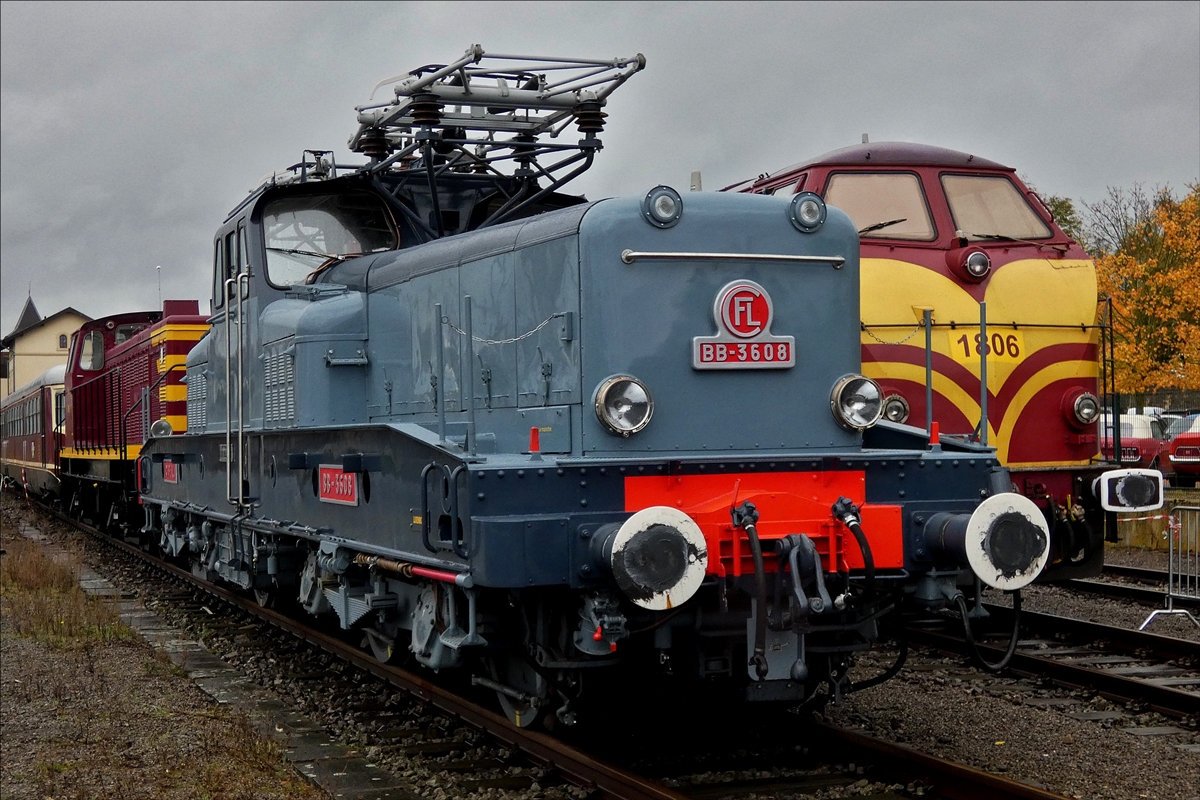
point(425, 108)
point(589, 117)
point(373, 144)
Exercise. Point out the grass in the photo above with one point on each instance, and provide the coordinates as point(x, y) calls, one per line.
point(43, 601)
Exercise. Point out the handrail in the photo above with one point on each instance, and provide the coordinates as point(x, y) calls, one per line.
point(236, 284)
point(138, 402)
point(629, 256)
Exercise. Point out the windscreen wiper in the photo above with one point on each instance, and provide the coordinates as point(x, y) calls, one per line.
point(304, 252)
point(1000, 237)
point(881, 225)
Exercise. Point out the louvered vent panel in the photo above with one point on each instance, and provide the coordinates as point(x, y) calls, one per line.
point(279, 390)
point(197, 401)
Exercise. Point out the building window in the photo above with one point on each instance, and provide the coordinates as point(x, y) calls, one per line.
point(62, 341)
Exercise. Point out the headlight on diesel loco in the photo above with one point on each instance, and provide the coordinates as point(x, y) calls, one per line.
point(662, 207)
point(1087, 408)
point(807, 211)
point(1080, 408)
point(623, 405)
point(977, 264)
point(857, 402)
point(895, 408)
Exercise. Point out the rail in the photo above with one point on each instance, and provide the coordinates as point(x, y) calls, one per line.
point(602, 780)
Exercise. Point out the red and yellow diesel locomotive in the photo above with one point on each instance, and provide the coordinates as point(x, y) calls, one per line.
point(74, 434)
point(946, 234)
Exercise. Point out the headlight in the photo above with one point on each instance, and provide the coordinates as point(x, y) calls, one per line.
point(1087, 408)
point(977, 264)
point(1080, 408)
point(895, 408)
point(807, 211)
point(857, 402)
point(662, 207)
point(623, 405)
point(161, 429)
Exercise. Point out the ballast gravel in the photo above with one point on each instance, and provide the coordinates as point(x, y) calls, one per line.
point(1016, 728)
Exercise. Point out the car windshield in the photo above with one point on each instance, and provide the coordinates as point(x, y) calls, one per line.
point(1183, 425)
point(1135, 428)
point(303, 233)
point(990, 207)
point(884, 205)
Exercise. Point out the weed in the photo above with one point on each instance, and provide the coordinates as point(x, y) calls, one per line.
point(43, 600)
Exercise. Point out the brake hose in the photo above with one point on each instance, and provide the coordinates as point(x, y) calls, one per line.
point(890, 673)
point(744, 516)
point(976, 656)
point(845, 510)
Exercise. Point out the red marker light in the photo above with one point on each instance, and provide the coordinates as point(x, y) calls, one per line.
point(935, 437)
point(535, 441)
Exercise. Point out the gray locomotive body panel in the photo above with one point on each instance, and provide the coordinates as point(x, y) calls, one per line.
point(351, 367)
point(640, 319)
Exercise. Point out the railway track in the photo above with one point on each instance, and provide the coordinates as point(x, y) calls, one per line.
point(1127, 591)
point(1155, 577)
point(1120, 664)
point(558, 762)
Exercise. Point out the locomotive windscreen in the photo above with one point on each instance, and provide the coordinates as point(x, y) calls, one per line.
point(303, 233)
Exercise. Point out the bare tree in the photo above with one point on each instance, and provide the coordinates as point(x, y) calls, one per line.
point(1111, 223)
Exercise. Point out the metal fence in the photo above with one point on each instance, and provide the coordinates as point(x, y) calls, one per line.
point(1183, 561)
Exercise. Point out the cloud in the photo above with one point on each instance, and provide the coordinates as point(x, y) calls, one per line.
point(128, 131)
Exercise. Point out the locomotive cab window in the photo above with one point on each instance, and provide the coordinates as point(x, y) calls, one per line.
point(883, 205)
point(230, 257)
point(988, 207)
point(124, 333)
point(789, 188)
point(306, 233)
point(91, 355)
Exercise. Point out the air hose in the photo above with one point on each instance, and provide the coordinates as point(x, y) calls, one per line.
point(976, 656)
point(888, 674)
point(745, 516)
point(845, 510)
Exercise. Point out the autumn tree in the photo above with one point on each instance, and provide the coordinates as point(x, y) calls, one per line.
point(1066, 216)
point(1148, 261)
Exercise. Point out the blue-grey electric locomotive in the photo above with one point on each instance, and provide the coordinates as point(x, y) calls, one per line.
point(509, 431)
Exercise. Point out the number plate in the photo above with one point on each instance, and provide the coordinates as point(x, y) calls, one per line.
point(170, 472)
point(335, 486)
point(730, 355)
point(1004, 346)
point(743, 314)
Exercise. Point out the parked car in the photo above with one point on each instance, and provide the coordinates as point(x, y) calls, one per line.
point(1184, 454)
point(1143, 441)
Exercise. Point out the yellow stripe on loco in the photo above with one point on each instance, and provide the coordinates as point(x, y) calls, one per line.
point(183, 333)
point(173, 392)
point(1064, 370)
point(968, 403)
point(105, 454)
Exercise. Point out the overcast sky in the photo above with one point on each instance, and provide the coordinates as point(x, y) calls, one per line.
point(130, 130)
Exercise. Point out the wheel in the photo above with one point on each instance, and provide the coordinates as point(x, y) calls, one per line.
point(382, 647)
point(523, 691)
